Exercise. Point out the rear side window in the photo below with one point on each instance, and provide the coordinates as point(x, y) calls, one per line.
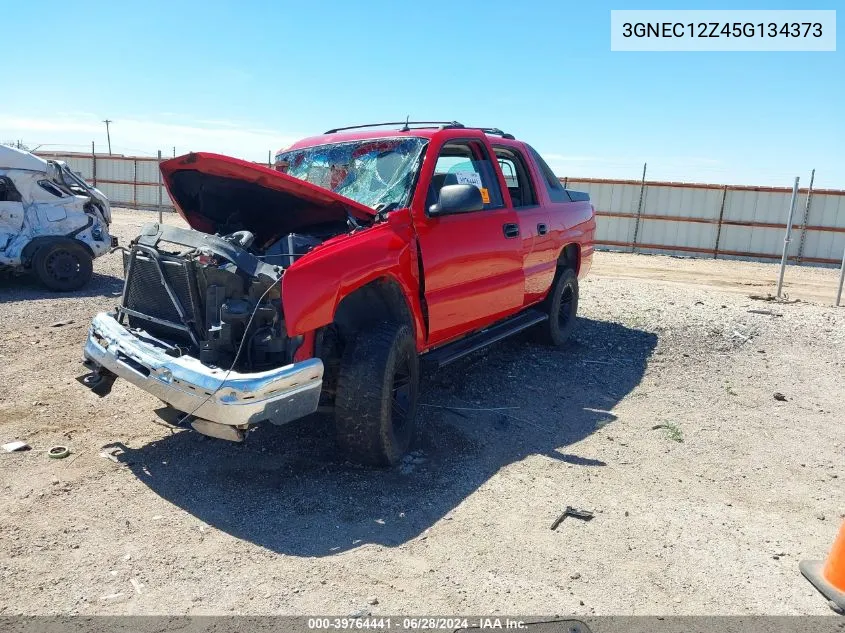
point(556, 191)
point(516, 175)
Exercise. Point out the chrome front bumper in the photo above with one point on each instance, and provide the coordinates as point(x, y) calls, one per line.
point(278, 395)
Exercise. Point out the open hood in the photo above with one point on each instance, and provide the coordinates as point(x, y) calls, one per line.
point(221, 194)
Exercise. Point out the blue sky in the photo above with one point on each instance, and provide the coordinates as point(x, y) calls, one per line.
point(246, 77)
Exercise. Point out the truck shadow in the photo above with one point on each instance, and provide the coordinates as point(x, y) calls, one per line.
point(28, 288)
point(285, 490)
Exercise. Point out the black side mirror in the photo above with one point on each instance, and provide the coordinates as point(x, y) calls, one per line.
point(457, 199)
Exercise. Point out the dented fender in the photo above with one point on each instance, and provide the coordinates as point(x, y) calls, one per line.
point(314, 286)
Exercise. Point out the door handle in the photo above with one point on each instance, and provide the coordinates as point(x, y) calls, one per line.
point(510, 230)
point(542, 229)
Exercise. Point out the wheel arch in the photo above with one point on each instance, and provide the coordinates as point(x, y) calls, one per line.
point(570, 257)
point(382, 299)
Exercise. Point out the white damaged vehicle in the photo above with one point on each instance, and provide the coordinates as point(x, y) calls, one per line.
point(52, 223)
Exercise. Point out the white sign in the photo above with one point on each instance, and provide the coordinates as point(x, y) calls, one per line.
point(469, 178)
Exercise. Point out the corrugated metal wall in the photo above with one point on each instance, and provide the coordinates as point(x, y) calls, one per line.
point(725, 221)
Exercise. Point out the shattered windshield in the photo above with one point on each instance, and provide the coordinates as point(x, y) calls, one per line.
point(378, 173)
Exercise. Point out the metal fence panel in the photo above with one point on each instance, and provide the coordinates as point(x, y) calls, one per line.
point(685, 235)
point(827, 210)
point(116, 193)
point(119, 169)
point(685, 202)
point(823, 245)
point(612, 197)
point(148, 171)
point(610, 229)
point(756, 241)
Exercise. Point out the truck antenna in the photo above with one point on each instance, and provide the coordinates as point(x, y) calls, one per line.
point(405, 127)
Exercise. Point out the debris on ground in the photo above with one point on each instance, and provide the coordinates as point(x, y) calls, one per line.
point(673, 431)
point(771, 297)
point(61, 323)
point(766, 312)
point(15, 446)
point(110, 454)
point(584, 515)
point(779, 396)
point(58, 452)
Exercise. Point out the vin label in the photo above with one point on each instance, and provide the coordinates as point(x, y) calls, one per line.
point(705, 30)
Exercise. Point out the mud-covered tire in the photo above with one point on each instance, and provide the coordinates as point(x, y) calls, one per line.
point(378, 382)
point(561, 306)
point(63, 265)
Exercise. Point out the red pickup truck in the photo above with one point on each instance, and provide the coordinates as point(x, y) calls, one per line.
point(326, 283)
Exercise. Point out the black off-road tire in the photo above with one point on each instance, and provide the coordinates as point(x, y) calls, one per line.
point(561, 306)
point(378, 382)
point(63, 265)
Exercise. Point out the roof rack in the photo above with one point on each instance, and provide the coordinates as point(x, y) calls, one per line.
point(404, 124)
point(442, 124)
point(496, 131)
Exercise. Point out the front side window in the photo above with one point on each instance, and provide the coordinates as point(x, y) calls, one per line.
point(378, 173)
point(465, 163)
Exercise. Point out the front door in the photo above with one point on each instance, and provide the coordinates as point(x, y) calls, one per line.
point(472, 261)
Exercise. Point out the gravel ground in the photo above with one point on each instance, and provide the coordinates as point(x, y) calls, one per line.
point(660, 417)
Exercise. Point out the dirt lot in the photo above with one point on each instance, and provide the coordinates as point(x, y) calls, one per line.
point(708, 513)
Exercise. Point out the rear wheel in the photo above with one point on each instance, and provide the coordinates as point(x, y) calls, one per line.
point(63, 266)
point(376, 401)
point(562, 306)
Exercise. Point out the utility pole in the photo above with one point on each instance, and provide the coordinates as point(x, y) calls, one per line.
point(108, 136)
point(787, 237)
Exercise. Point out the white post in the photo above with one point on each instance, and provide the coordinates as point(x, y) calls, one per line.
point(786, 237)
point(841, 279)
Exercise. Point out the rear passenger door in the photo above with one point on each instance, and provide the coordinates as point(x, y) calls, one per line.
point(533, 219)
point(472, 261)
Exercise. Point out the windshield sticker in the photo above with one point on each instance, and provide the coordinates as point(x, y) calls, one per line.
point(469, 178)
point(485, 195)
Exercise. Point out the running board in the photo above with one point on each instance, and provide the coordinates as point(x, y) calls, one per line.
point(451, 352)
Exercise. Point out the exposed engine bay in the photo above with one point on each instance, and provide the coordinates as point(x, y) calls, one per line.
point(213, 297)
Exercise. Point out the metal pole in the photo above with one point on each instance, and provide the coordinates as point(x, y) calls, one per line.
point(108, 135)
point(806, 217)
point(159, 187)
point(841, 279)
point(269, 158)
point(786, 238)
point(94, 163)
point(639, 210)
point(719, 227)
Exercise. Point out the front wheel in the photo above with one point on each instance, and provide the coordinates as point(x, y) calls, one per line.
point(376, 401)
point(63, 266)
point(562, 306)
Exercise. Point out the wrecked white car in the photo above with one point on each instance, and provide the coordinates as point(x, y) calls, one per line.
point(52, 223)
